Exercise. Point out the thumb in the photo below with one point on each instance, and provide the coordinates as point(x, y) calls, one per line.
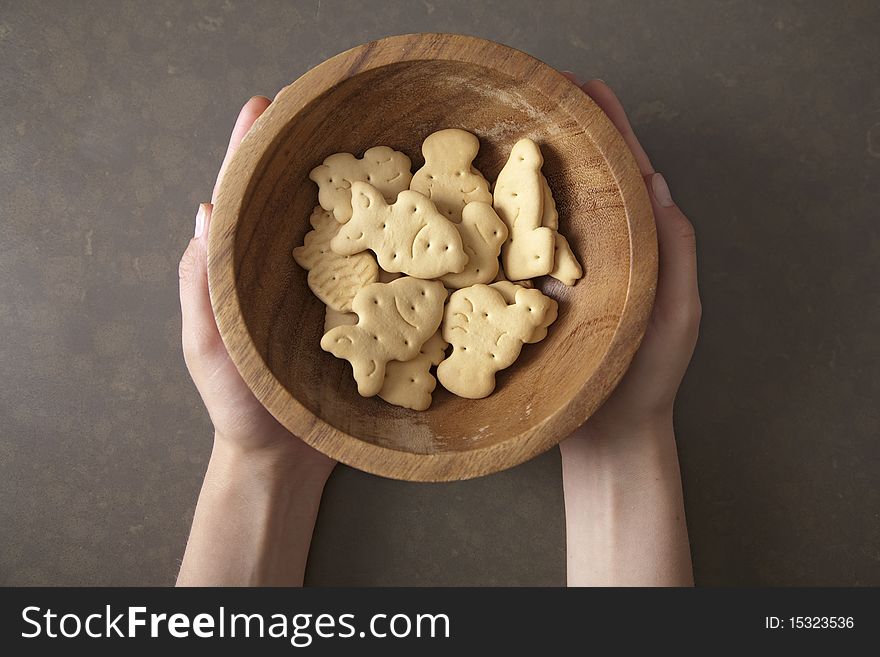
point(201, 339)
point(677, 294)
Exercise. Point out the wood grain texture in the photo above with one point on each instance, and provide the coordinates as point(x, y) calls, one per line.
point(394, 92)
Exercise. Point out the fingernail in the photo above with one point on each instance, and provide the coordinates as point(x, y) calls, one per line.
point(574, 78)
point(661, 191)
point(200, 221)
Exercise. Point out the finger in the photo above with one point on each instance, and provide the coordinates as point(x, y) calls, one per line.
point(571, 76)
point(200, 334)
point(246, 117)
point(677, 289)
point(604, 97)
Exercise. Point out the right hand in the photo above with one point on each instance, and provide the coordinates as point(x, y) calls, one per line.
point(646, 393)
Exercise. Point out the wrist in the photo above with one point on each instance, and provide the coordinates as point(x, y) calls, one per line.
point(622, 445)
point(255, 516)
point(610, 427)
point(287, 461)
point(623, 505)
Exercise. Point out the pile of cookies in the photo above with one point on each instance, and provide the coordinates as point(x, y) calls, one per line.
point(408, 264)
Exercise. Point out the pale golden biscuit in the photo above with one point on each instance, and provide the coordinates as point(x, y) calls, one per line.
point(410, 383)
point(549, 214)
point(334, 318)
point(334, 278)
point(394, 321)
point(508, 291)
point(409, 236)
point(482, 234)
point(384, 168)
point(550, 316)
point(566, 267)
point(448, 177)
point(519, 201)
point(487, 335)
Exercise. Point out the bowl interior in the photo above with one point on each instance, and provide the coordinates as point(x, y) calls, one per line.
point(398, 105)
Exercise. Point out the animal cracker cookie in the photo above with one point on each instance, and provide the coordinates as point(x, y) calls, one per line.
point(566, 267)
point(508, 291)
point(448, 177)
point(410, 383)
point(487, 335)
point(384, 168)
point(394, 321)
point(549, 214)
point(334, 278)
point(334, 318)
point(409, 236)
point(482, 234)
point(519, 201)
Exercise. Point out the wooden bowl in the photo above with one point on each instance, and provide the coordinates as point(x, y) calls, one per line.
point(395, 92)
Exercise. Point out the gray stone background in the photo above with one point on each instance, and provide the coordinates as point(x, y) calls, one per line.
point(765, 119)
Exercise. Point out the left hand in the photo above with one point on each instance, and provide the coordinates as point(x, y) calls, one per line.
point(241, 422)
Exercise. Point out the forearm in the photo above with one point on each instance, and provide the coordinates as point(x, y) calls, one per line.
point(253, 522)
point(624, 509)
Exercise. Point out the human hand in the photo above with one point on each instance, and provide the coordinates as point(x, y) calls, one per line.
point(624, 512)
point(645, 396)
point(242, 424)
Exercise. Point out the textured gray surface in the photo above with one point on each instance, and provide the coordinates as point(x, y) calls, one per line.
point(765, 121)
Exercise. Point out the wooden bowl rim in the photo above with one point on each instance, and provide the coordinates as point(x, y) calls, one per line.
point(376, 459)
